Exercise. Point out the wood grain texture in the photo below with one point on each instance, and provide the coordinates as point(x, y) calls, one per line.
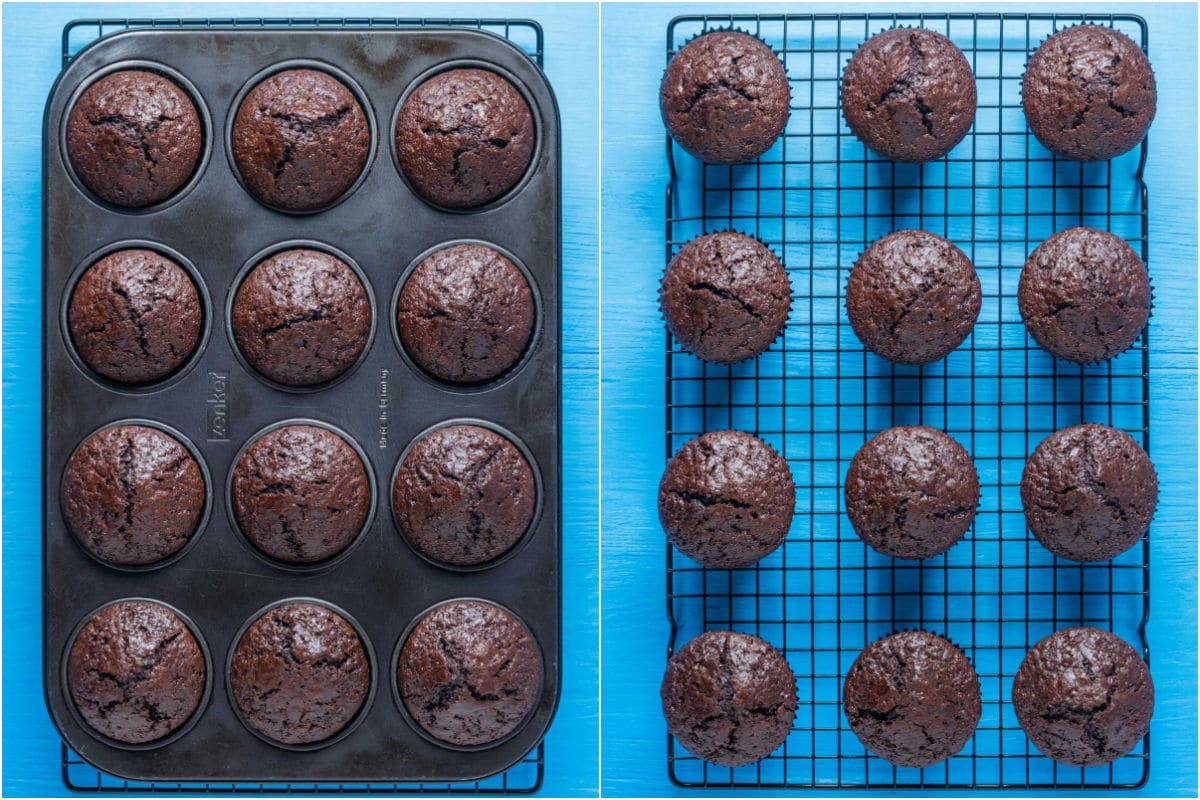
point(634, 176)
point(32, 58)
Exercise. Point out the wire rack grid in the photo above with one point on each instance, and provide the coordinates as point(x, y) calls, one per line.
point(818, 198)
point(526, 776)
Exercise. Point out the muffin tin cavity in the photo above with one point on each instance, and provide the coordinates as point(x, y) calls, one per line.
point(301, 494)
point(136, 316)
point(465, 495)
point(301, 136)
point(136, 136)
point(361, 389)
point(136, 495)
point(141, 683)
point(466, 314)
point(464, 136)
point(295, 674)
point(466, 674)
point(301, 315)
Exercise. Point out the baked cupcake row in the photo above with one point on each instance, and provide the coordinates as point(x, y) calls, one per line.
point(909, 94)
point(302, 317)
point(1089, 492)
point(301, 138)
point(912, 297)
point(137, 495)
point(302, 674)
point(1082, 695)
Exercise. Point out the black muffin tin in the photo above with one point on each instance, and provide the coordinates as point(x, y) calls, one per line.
point(216, 404)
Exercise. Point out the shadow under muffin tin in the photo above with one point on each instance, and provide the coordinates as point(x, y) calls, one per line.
point(216, 405)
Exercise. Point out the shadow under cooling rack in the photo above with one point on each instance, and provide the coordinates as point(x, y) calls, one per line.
point(526, 776)
point(818, 198)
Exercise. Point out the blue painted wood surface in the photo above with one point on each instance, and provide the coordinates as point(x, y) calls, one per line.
point(32, 59)
point(634, 175)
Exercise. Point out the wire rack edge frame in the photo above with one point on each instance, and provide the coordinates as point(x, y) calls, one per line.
point(751, 23)
point(69, 760)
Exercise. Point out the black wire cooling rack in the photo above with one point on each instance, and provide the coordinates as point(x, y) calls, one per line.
point(526, 776)
point(818, 199)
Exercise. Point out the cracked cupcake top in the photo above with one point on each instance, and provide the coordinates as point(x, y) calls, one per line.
point(469, 673)
point(909, 94)
point(135, 672)
point(134, 138)
point(1084, 295)
point(1089, 93)
point(465, 314)
point(1083, 696)
point(301, 317)
point(912, 698)
point(300, 140)
point(726, 499)
point(464, 495)
point(300, 493)
point(1089, 492)
point(913, 297)
point(464, 138)
point(725, 297)
point(724, 97)
point(299, 674)
point(132, 495)
point(134, 316)
point(729, 698)
point(911, 492)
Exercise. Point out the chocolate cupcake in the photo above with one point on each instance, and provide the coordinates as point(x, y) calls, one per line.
point(134, 138)
point(911, 492)
point(300, 674)
point(300, 494)
point(725, 297)
point(135, 672)
point(469, 673)
point(464, 138)
point(724, 97)
point(132, 495)
point(301, 317)
point(1089, 93)
point(135, 317)
point(726, 499)
point(300, 140)
point(1083, 697)
point(912, 698)
point(729, 698)
point(909, 94)
point(913, 297)
point(1084, 295)
point(463, 495)
point(465, 314)
point(1089, 492)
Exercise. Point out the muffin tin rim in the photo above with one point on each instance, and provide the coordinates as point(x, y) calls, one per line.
point(535, 157)
point(275, 249)
point(173, 736)
point(316, 65)
point(534, 522)
point(372, 662)
point(201, 524)
point(394, 676)
point(535, 334)
point(202, 294)
point(302, 568)
point(186, 86)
